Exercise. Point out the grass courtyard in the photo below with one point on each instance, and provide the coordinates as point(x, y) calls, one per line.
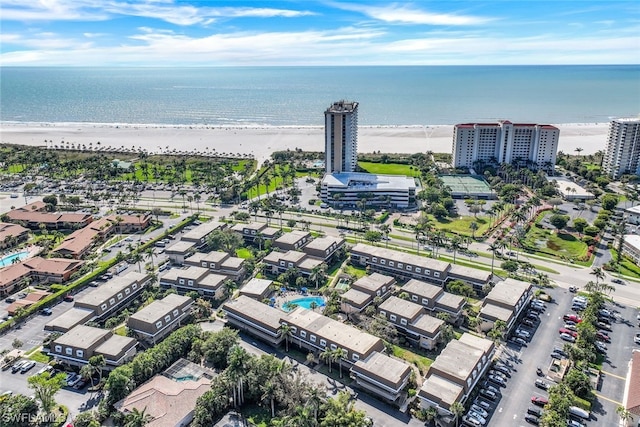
point(461, 225)
point(554, 243)
point(389, 168)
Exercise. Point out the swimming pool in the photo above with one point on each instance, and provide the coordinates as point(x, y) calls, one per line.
point(8, 260)
point(303, 302)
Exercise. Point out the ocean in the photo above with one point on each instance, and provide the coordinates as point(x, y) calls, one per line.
point(298, 96)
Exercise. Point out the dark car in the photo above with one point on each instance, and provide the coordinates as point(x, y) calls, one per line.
point(532, 410)
point(10, 299)
point(602, 336)
point(542, 384)
point(532, 419)
point(68, 298)
point(489, 394)
point(46, 311)
point(503, 370)
point(528, 322)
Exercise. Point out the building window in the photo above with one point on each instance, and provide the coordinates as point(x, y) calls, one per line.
point(382, 312)
point(414, 298)
point(403, 322)
point(159, 324)
point(391, 263)
point(119, 296)
point(127, 291)
point(282, 263)
point(333, 347)
point(58, 349)
point(112, 301)
point(383, 261)
point(418, 269)
point(399, 265)
point(79, 353)
point(181, 281)
point(425, 301)
point(374, 259)
point(436, 274)
point(303, 334)
point(190, 282)
point(167, 318)
point(135, 286)
point(392, 317)
point(176, 312)
point(408, 268)
point(323, 343)
point(204, 264)
point(355, 357)
point(293, 329)
point(312, 338)
point(68, 351)
point(103, 307)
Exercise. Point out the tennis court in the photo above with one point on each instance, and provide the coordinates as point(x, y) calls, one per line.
point(463, 186)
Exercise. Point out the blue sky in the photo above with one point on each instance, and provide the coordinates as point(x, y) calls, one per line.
point(232, 33)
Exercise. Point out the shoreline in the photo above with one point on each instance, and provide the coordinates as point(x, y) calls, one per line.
point(261, 141)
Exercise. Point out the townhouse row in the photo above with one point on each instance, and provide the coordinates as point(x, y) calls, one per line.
point(37, 270)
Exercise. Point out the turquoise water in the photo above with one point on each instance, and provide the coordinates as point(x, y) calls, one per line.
point(298, 96)
point(304, 302)
point(8, 260)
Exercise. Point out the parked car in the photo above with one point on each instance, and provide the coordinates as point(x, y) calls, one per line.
point(10, 299)
point(572, 317)
point(568, 338)
point(528, 322)
point(80, 384)
point(538, 400)
point(542, 384)
point(477, 416)
point(521, 333)
point(27, 366)
point(570, 327)
point(497, 380)
point(481, 403)
point(45, 368)
point(532, 410)
point(519, 341)
point(601, 347)
point(68, 298)
point(531, 419)
point(471, 421)
point(575, 423)
point(94, 284)
point(636, 339)
point(479, 410)
point(503, 370)
point(489, 394)
point(17, 366)
point(568, 332)
point(605, 326)
point(618, 281)
point(558, 356)
point(603, 337)
point(46, 311)
point(573, 289)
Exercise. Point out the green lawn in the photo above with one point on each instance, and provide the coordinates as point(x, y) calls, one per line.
point(555, 243)
point(421, 362)
point(40, 357)
point(244, 253)
point(460, 225)
point(355, 271)
point(389, 168)
point(626, 266)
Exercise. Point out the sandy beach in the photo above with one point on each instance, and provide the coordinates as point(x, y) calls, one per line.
point(262, 141)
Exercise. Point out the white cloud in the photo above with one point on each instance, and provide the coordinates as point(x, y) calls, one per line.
point(403, 14)
point(166, 10)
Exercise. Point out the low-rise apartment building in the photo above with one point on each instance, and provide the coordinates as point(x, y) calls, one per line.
point(505, 302)
point(279, 262)
point(316, 333)
point(257, 289)
point(12, 234)
point(199, 234)
point(632, 215)
point(455, 372)
point(219, 263)
point(198, 279)
point(364, 290)
point(78, 345)
point(158, 319)
point(292, 241)
point(253, 231)
point(405, 266)
point(179, 251)
point(114, 295)
point(434, 299)
point(37, 270)
point(631, 247)
point(77, 244)
point(324, 247)
point(383, 376)
point(255, 318)
point(412, 321)
point(34, 214)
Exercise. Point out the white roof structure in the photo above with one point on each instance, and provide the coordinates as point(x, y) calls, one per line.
point(367, 182)
point(632, 240)
point(570, 190)
point(633, 209)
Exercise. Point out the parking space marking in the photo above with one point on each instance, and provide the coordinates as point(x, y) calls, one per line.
point(599, 396)
point(609, 374)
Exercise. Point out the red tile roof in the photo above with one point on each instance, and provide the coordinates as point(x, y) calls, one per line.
point(633, 395)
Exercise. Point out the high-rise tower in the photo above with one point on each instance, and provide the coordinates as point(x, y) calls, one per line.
point(341, 137)
point(622, 154)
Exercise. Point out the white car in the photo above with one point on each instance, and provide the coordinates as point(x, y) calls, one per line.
point(567, 337)
point(521, 333)
point(477, 416)
point(479, 410)
point(636, 339)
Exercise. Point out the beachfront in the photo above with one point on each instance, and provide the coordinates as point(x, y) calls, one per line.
point(262, 141)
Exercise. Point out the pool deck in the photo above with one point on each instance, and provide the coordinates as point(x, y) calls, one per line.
point(31, 250)
point(283, 298)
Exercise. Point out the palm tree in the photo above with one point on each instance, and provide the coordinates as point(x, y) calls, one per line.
point(598, 273)
point(327, 357)
point(237, 368)
point(493, 247)
point(455, 245)
point(473, 227)
point(286, 332)
point(150, 253)
point(339, 354)
point(457, 410)
point(137, 418)
point(385, 229)
point(624, 414)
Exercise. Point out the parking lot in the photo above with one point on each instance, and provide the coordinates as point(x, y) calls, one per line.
point(513, 400)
